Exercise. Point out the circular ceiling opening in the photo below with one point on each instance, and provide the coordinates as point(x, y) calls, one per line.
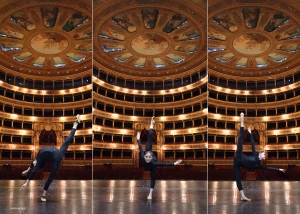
point(49, 43)
point(251, 43)
point(252, 37)
point(38, 39)
point(156, 38)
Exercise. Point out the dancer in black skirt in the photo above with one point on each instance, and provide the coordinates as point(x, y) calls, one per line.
point(50, 155)
point(249, 162)
point(149, 159)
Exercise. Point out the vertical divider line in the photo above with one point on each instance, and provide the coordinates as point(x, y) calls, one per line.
point(207, 106)
point(92, 107)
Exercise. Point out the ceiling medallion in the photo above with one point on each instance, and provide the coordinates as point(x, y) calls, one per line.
point(49, 43)
point(252, 38)
point(251, 43)
point(44, 41)
point(149, 44)
point(146, 40)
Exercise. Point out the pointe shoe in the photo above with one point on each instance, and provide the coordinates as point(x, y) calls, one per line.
point(77, 119)
point(245, 199)
point(242, 114)
point(149, 197)
point(43, 198)
point(152, 120)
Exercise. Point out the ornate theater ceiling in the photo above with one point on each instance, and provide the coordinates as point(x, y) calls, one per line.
point(149, 38)
point(46, 39)
point(251, 38)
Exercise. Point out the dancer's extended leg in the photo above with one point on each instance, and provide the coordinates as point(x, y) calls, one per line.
point(54, 168)
point(239, 153)
point(150, 136)
point(149, 148)
point(237, 173)
point(239, 148)
point(64, 147)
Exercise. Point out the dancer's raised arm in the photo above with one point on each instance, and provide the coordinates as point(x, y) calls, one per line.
point(167, 164)
point(252, 142)
point(24, 173)
point(138, 138)
point(270, 168)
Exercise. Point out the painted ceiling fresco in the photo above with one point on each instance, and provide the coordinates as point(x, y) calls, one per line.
point(141, 41)
point(252, 38)
point(45, 36)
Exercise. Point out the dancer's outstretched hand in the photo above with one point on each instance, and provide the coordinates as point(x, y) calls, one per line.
point(138, 135)
point(177, 162)
point(249, 130)
point(24, 173)
point(282, 170)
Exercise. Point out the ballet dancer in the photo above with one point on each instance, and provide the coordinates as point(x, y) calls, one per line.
point(249, 162)
point(148, 158)
point(50, 155)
